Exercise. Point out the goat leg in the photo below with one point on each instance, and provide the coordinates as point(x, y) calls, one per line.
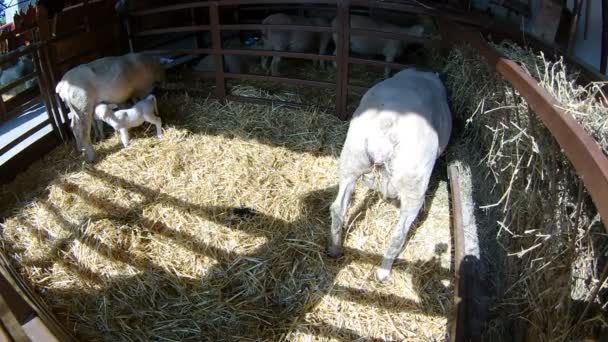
point(124, 136)
point(338, 212)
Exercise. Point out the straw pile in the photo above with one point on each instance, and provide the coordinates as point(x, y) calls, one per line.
point(549, 255)
point(217, 231)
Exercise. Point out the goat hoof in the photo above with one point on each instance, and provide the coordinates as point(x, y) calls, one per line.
point(334, 252)
point(383, 275)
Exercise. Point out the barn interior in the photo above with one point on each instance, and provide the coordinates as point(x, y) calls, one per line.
point(218, 229)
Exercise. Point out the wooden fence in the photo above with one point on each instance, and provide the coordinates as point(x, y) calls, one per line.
point(79, 35)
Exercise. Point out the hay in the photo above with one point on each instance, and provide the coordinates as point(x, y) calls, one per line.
point(217, 231)
point(546, 257)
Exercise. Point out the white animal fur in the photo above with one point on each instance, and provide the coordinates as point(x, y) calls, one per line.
point(401, 127)
point(121, 120)
point(105, 80)
point(370, 45)
point(293, 41)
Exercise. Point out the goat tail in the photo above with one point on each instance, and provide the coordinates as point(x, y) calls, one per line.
point(62, 90)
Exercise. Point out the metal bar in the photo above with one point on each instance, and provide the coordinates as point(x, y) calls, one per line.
point(24, 136)
point(342, 56)
point(194, 28)
point(251, 52)
point(21, 80)
point(216, 40)
point(296, 81)
point(457, 330)
point(252, 27)
point(581, 149)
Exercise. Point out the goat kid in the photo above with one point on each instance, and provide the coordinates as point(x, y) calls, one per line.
point(121, 120)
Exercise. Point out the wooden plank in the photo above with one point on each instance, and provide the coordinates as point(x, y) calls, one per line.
point(33, 300)
point(194, 28)
point(393, 35)
point(342, 57)
point(37, 331)
point(283, 2)
point(253, 27)
point(373, 62)
point(604, 47)
point(10, 323)
point(21, 80)
point(19, 307)
point(301, 55)
point(216, 41)
point(85, 41)
point(24, 136)
point(18, 102)
point(75, 16)
point(169, 8)
point(458, 329)
point(294, 81)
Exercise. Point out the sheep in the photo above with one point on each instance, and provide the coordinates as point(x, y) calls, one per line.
point(121, 120)
point(110, 80)
point(370, 45)
point(236, 64)
point(293, 41)
point(400, 128)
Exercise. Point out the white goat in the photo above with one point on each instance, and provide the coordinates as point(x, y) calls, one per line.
point(105, 80)
point(121, 120)
point(293, 41)
point(401, 127)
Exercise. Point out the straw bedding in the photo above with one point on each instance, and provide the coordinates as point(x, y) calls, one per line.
point(543, 255)
point(217, 231)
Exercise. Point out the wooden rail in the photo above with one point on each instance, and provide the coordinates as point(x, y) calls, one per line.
point(342, 31)
point(581, 149)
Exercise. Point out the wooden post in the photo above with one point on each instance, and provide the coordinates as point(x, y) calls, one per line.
point(604, 37)
point(216, 40)
point(46, 73)
point(342, 57)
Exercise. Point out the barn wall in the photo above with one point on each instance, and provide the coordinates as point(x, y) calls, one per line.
point(586, 49)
